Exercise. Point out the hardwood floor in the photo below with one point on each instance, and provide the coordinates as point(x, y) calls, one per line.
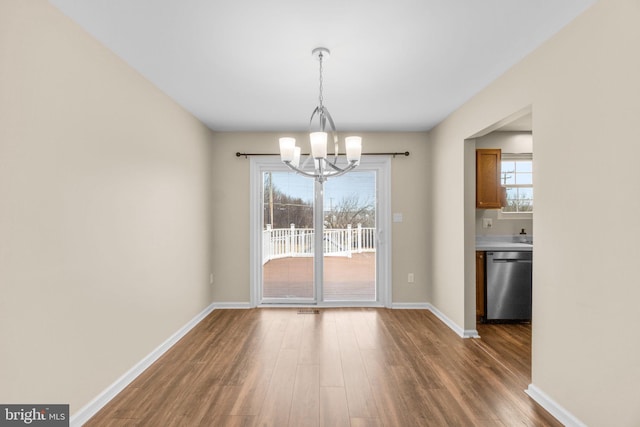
point(341, 367)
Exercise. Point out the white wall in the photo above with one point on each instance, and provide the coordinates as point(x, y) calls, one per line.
point(583, 88)
point(503, 225)
point(410, 188)
point(104, 211)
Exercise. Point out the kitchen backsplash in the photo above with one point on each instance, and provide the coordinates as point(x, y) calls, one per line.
point(501, 227)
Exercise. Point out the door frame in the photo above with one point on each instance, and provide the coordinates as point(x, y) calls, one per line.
point(382, 166)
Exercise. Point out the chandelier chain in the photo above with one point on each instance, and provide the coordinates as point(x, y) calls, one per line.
point(320, 98)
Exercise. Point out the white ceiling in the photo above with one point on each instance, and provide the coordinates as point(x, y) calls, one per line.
point(394, 65)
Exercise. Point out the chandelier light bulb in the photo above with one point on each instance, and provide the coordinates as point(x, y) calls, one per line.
point(296, 157)
point(287, 149)
point(353, 145)
point(318, 145)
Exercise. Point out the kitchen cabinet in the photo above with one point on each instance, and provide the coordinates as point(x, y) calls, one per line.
point(480, 286)
point(489, 193)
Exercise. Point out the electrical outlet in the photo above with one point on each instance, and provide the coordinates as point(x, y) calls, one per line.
point(487, 223)
point(410, 278)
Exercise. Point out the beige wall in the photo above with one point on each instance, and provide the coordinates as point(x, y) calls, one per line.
point(104, 212)
point(107, 208)
point(410, 189)
point(583, 87)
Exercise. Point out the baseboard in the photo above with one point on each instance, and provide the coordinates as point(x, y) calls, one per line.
point(232, 305)
point(411, 305)
point(470, 333)
point(90, 409)
point(561, 414)
point(450, 323)
point(463, 333)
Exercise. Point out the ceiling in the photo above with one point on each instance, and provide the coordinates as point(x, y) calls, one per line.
point(395, 65)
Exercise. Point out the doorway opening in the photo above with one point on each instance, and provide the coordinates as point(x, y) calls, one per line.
point(354, 262)
point(497, 227)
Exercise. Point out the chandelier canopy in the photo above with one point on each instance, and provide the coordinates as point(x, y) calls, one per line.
point(323, 168)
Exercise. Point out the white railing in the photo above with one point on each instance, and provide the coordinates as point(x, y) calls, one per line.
point(298, 242)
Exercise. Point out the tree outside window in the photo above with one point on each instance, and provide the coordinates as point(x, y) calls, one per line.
point(517, 178)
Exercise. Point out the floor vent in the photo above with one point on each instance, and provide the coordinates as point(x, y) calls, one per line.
point(308, 311)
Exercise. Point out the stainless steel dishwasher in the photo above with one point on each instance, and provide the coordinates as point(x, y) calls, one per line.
point(509, 285)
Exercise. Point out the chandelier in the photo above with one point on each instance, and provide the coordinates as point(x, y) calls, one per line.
point(323, 167)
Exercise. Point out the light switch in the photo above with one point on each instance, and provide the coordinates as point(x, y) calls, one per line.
point(397, 217)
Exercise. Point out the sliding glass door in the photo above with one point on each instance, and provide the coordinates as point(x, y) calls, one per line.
point(350, 238)
point(287, 237)
point(348, 269)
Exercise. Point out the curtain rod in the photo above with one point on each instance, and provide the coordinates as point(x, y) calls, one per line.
point(246, 155)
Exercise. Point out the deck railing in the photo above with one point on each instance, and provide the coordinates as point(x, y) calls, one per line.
point(298, 242)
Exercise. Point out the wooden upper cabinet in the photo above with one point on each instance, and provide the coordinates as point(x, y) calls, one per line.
point(489, 193)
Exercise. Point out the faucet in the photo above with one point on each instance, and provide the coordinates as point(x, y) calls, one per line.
point(523, 236)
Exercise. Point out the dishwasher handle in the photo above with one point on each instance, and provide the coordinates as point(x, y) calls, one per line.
point(508, 257)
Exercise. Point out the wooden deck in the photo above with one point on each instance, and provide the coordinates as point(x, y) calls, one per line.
point(345, 279)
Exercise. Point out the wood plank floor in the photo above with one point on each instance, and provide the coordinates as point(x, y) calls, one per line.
point(341, 367)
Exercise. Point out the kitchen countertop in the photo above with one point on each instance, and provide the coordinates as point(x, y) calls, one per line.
point(501, 244)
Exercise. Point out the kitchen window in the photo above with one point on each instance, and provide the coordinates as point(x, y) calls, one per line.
point(517, 178)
